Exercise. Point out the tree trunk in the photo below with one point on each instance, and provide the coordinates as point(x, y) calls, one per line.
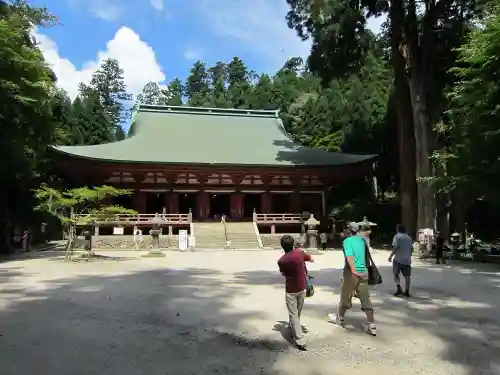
point(406, 136)
point(425, 193)
point(418, 82)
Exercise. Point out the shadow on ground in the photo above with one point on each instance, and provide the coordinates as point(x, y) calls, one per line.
point(153, 322)
point(181, 322)
point(457, 304)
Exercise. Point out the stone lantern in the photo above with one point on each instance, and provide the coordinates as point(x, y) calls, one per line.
point(455, 245)
point(312, 232)
point(155, 236)
point(87, 235)
point(365, 223)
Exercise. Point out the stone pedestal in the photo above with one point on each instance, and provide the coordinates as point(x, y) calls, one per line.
point(312, 232)
point(155, 236)
point(312, 238)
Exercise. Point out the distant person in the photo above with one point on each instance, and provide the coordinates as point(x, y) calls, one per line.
point(324, 240)
point(26, 241)
point(355, 278)
point(440, 248)
point(137, 239)
point(402, 249)
point(292, 266)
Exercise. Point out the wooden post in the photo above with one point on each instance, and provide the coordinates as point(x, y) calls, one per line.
point(266, 203)
point(254, 216)
point(273, 229)
point(294, 202)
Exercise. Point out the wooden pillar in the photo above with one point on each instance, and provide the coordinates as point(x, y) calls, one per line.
point(265, 203)
point(173, 203)
point(166, 202)
point(236, 205)
point(294, 203)
point(202, 209)
point(139, 202)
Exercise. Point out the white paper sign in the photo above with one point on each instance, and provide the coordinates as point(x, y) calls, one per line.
point(118, 230)
point(183, 239)
point(191, 242)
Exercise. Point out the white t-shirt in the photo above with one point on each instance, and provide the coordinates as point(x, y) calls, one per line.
point(138, 236)
point(404, 245)
point(323, 237)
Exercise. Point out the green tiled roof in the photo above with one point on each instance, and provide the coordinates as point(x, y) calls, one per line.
point(188, 135)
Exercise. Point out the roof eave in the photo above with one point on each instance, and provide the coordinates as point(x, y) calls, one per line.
point(365, 159)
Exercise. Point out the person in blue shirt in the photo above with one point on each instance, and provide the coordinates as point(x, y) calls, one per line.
point(355, 278)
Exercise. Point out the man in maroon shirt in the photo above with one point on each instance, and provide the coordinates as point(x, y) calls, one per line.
point(292, 266)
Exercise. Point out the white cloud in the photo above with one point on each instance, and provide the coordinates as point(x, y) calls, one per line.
point(259, 25)
point(157, 4)
point(136, 58)
point(192, 53)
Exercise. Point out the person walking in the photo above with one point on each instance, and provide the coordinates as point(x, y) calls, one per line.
point(324, 240)
point(26, 241)
point(137, 239)
point(440, 248)
point(402, 250)
point(292, 267)
point(355, 278)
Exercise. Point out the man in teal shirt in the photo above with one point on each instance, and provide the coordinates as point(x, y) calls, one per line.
point(355, 278)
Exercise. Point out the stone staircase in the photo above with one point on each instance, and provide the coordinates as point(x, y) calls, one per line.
point(209, 235)
point(272, 241)
point(242, 235)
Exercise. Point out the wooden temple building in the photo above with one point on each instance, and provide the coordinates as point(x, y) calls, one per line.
point(202, 163)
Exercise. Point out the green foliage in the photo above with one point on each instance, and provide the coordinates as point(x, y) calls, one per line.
point(472, 135)
point(103, 100)
point(68, 205)
point(28, 122)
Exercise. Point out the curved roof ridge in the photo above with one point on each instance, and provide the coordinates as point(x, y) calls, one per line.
point(188, 135)
point(207, 110)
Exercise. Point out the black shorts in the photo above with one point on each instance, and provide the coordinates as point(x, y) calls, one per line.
point(398, 268)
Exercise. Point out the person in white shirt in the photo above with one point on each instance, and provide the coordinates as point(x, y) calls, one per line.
point(137, 239)
point(402, 250)
point(324, 240)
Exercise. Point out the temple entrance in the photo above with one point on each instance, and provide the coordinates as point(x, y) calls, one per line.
point(125, 201)
point(312, 203)
point(251, 202)
point(155, 203)
point(187, 201)
point(281, 203)
point(220, 204)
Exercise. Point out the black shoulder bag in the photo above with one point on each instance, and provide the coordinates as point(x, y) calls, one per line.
point(309, 284)
point(374, 277)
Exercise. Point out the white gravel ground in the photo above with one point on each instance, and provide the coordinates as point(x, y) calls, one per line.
point(223, 313)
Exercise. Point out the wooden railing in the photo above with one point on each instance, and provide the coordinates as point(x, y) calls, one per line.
point(277, 218)
point(138, 219)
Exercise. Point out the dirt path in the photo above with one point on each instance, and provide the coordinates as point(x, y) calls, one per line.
point(222, 313)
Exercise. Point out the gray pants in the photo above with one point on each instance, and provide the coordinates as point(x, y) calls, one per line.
point(294, 304)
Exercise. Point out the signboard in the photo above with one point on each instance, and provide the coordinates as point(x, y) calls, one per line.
point(118, 230)
point(191, 242)
point(183, 239)
point(428, 232)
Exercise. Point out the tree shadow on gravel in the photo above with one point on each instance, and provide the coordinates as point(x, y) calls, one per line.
point(165, 321)
point(457, 308)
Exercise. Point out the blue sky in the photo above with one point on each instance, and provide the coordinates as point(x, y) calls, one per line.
point(158, 40)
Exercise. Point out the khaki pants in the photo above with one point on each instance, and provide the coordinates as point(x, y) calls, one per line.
point(294, 304)
point(352, 284)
